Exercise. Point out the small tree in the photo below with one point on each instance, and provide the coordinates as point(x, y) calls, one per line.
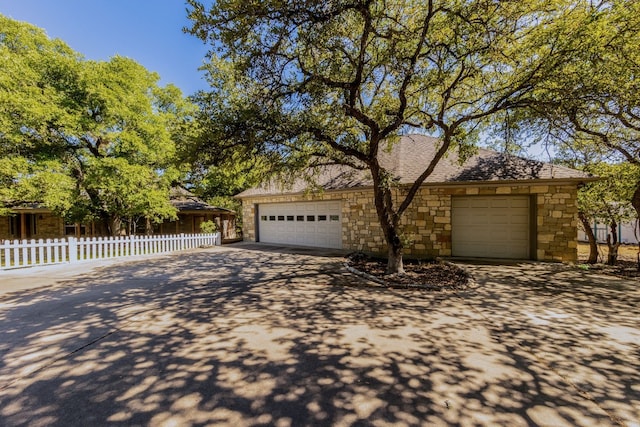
point(607, 201)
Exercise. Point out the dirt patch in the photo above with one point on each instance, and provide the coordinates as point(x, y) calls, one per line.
point(627, 265)
point(432, 276)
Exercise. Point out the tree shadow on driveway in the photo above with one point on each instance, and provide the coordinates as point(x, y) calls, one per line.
point(247, 337)
point(582, 326)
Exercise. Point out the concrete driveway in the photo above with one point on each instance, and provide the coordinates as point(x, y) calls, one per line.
point(246, 336)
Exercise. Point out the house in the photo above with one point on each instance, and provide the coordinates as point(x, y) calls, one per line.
point(491, 206)
point(193, 211)
point(33, 221)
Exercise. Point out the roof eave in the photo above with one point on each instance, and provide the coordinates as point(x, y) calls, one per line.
point(31, 210)
point(209, 210)
point(502, 183)
point(511, 182)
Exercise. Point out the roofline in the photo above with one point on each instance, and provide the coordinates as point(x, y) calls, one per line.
point(209, 210)
point(453, 184)
point(30, 210)
point(546, 181)
point(15, 211)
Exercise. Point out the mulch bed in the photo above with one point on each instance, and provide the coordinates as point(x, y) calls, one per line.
point(623, 268)
point(432, 276)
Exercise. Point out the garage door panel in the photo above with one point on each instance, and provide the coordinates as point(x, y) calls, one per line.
point(499, 203)
point(520, 220)
point(500, 235)
point(479, 203)
point(499, 219)
point(520, 236)
point(490, 226)
point(302, 223)
point(520, 203)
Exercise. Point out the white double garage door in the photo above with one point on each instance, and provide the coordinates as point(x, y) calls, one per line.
point(317, 224)
point(482, 226)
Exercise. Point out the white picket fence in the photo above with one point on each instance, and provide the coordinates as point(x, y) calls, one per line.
point(29, 253)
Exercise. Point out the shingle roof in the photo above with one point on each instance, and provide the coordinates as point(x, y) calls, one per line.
point(184, 200)
point(411, 155)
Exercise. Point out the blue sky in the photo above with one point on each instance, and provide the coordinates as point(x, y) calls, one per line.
point(149, 31)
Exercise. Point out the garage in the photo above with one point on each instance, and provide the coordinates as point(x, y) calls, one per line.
point(315, 224)
point(491, 227)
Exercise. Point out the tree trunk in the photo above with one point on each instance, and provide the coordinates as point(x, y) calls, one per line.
point(613, 244)
point(115, 224)
point(593, 244)
point(388, 218)
point(395, 264)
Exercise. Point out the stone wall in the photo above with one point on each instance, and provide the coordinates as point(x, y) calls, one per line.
point(557, 223)
point(4, 228)
point(427, 222)
point(47, 226)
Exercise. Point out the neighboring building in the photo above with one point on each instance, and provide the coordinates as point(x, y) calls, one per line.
point(193, 211)
point(35, 222)
point(31, 222)
point(491, 206)
point(626, 233)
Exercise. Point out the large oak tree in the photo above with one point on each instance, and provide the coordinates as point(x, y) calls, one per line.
point(91, 140)
point(340, 80)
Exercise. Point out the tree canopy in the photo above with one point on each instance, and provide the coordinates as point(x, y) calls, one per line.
point(589, 108)
point(338, 81)
point(87, 139)
point(595, 95)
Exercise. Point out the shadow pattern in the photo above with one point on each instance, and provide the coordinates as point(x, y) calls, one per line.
point(251, 337)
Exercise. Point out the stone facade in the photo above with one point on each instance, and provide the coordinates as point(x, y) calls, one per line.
point(5, 232)
point(427, 222)
point(37, 226)
point(50, 226)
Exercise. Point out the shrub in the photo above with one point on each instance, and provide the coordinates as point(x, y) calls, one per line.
point(209, 227)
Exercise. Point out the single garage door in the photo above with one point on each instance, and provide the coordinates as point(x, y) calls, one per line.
point(306, 224)
point(490, 227)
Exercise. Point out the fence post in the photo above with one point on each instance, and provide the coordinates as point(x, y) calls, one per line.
point(217, 239)
point(7, 253)
point(32, 247)
point(73, 249)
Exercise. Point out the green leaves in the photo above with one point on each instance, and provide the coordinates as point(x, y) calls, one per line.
point(368, 70)
point(85, 138)
point(46, 182)
point(595, 94)
point(609, 199)
point(302, 80)
point(129, 190)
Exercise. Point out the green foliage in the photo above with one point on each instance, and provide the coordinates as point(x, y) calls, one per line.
point(209, 227)
point(128, 190)
point(87, 139)
point(595, 95)
point(219, 166)
point(589, 107)
point(609, 198)
point(316, 82)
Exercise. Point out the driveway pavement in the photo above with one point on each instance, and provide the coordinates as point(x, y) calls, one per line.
point(241, 336)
